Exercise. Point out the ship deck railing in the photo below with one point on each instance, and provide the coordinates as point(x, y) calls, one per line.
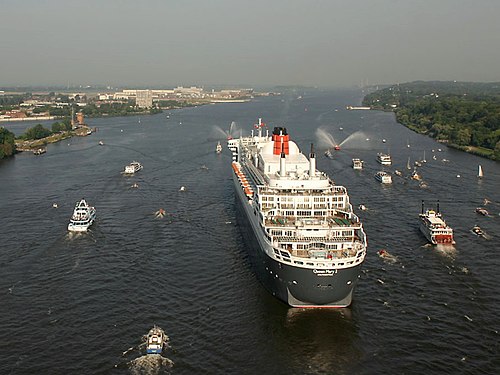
point(301, 192)
point(251, 169)
point(323, 254)
point(319, 239)
point(330, 221)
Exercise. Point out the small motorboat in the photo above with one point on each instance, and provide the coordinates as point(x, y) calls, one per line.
point(398, 173)
point(362, 207)
point(135, 186)
point(133, 167)
point(477, 230)
point(482, 211)
point(101, 143)
point(328, 154)
point(156, 341)
point(54, 205)
point(182, 188)
point(160, 213)
point(383, 253)
point(218, 148)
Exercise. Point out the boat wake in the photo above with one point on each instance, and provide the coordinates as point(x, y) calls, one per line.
point(150, 364)
point(448, 251)
point(387, 257)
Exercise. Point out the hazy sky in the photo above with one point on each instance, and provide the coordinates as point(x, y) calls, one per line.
point(247, 42)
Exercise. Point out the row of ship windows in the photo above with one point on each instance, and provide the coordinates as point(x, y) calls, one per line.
point(289, 233)
point(311, 246)
point(267, 198)
point(316, 264)
point(302, 212)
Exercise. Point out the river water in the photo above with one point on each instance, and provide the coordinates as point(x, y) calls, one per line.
point(77, 304)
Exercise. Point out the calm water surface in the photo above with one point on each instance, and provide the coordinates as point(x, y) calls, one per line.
point(75, 304)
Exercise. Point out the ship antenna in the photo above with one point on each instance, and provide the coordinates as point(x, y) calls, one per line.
point(312, 150)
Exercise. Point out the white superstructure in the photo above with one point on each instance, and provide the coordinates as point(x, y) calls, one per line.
point(133, 167)
point(357, 163)
point(384, 159)
point(383, 177)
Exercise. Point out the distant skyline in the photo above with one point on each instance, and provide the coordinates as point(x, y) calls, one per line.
point(326, 43)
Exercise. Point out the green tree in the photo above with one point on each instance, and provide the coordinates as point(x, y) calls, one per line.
point(37, 132)
point(7, 143)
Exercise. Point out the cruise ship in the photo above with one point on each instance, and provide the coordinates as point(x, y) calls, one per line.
point(384, 159)
point(305, 241)
point(435, 228)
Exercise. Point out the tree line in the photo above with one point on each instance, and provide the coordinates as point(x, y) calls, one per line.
point(465, 115)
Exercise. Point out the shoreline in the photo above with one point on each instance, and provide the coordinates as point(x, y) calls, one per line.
point(35, 118)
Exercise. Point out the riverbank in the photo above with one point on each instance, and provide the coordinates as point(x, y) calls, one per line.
point(22, 119)
point(463, 115)
point(36, 144)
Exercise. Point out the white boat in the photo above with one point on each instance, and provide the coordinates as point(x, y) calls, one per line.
point(435, 228)
point(424, 160)
point(82, 218)
point(101, 143)
point(328, 154)
point(482, 211)
point(357, 163)
point(383, 177)
point(384, 159)
point(477, 231)
point(398, 173)
point(480, 172)
point(408, 165)
point(133, 167)
point(415, 175)
point(417, 163)
point(156, 341)
point(218, 148)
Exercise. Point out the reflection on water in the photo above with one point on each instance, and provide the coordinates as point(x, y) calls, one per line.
point(322, 340)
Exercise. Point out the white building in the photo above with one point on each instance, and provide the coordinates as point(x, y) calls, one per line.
point(144, 98)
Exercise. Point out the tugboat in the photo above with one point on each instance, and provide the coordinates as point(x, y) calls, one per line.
point(435, 228)
point(82, 218)
point(156, 341)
